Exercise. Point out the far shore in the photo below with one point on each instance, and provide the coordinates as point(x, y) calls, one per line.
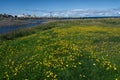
point(8, 23)
point(5, 23)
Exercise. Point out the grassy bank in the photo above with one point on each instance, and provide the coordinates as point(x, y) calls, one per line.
point(63, 50)
point(25, 31)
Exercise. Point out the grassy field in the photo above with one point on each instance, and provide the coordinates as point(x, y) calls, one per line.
point(63, 50)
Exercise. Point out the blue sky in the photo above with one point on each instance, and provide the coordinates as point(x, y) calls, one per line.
point(37, 6)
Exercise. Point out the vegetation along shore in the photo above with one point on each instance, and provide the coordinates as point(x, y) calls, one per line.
point(84, 49)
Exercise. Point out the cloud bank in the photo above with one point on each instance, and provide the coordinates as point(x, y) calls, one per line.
point(85, 13)
point(78, 13)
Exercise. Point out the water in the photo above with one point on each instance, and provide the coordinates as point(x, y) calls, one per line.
point(12, 28)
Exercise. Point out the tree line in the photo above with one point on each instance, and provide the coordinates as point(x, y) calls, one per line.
point(5, 16)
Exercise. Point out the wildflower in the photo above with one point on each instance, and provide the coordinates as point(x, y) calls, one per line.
point(116, 79)
point(74, 66)
point(79, 63)
point(115, 68)
point(66, 65)
point(94, 64)
point(55, 76)
point(15, 74)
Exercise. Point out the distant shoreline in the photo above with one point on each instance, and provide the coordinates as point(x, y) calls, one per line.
point(5, 23)
point(10, 23)
point(20, 22)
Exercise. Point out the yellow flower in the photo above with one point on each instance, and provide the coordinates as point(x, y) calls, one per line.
point(115, 68)
point(116, 79)
point(79, 63)
point(66, 65)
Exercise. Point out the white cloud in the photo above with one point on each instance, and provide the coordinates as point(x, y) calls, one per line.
point(79, 13)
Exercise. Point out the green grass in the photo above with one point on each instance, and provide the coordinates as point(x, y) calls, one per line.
point(64, 50)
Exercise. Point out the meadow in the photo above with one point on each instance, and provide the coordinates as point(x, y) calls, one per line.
point(85, 49)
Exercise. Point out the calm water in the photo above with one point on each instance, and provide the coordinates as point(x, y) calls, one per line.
point(12, 28)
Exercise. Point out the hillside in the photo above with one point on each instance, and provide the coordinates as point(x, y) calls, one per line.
point(64, 50)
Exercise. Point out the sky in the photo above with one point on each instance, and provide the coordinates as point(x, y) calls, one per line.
point(44, 7)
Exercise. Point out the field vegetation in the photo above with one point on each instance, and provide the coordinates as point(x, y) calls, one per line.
point(86, 49)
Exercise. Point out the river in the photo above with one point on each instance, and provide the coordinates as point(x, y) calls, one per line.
point(33, 23)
